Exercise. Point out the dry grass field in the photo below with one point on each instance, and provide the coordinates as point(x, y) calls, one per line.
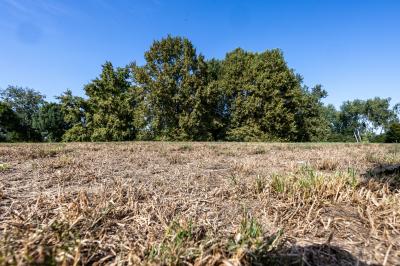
point(157, 203)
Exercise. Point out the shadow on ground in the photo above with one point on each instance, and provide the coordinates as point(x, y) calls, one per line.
point(322, 254)
point(385, 173)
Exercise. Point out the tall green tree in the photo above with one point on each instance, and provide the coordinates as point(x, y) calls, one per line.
point(312, 121)
point(26, 103)
point(368, 117)
point(110, 105)
point(74, 110)
point(178, 95)
point(9, 124)
point(396, 110)
point(352, 118)
point(379, 113)
point(262, 96)
point(393, 133)
point(49, 122)
point(172, 90)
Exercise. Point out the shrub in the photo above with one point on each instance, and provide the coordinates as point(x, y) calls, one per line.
point(76, 133)
point(393, 134)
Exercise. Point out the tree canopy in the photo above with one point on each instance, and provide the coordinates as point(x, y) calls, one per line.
point(171, 89)
point(177, 94)
point(25, 103)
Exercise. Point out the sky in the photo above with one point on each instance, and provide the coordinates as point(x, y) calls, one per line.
point(351, 47)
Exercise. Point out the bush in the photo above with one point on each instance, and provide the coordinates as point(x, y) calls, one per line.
point(76, 133)
point(393, 134)
point(100, 134)
point(381, 138)
point(336, 137)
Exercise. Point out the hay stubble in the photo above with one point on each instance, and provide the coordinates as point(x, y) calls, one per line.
point(198, 203)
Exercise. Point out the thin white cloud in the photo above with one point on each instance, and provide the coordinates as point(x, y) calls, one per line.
point(17, 6)
point(31, 20)
point(35, 9)
point(54, 8)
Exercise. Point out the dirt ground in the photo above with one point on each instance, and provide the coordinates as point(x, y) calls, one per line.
point(181, 203)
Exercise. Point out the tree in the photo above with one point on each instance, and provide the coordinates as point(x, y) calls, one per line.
point(332, 116)
point(214, 70)
point(171, 89)
point(9, 123)
point(393, 133)
point(49, 122)
point(368, 118)
point(74, 110)
point(179, 95)
point(396, 110)
point(110, 105)
point(72, 107)
point(262, 96)
point(378, 112)
point(353, 120)
point(25, 102)
point(312, 120)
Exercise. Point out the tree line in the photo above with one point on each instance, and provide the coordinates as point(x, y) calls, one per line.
point(179, 95)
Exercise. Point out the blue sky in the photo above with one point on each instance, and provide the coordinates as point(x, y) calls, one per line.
point(350, 47)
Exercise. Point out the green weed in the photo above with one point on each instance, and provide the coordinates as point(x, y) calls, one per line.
point(352, 177)
point(174, 247)
point(4, 167)
point(278, 183)
point(260, 184)
point(233, 179)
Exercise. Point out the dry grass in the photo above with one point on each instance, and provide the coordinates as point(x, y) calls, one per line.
point(199, 203)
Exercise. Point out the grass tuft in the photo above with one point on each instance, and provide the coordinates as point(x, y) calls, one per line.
point(4, 167)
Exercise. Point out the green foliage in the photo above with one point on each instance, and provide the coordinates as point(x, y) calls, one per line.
point(332, 116)
point(110, 105)
point(278, 183)
point(174, 247)
point(352, 117)
point(24, 101)
point(49, 122)
point(260, 184)
point(261, 94)
point(378, 112)
point(352, 177)
point(73, 108)
point(9, 123)
point(178, 95)
point(380, 138)
point(76, 133)
point(313, 121)
point(247, 133)
point(172, 90)
point(26, 104)
point(249, 229)
point(371, 118)
point(393, 134)
point(107, 114)
point(4, 167)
